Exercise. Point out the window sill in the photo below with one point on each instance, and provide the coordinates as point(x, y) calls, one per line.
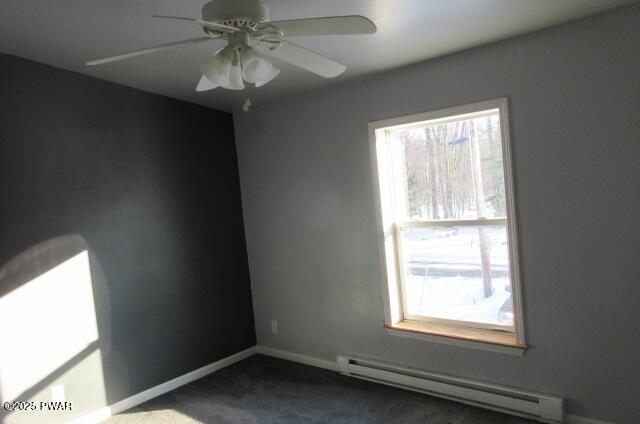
point(493, 341)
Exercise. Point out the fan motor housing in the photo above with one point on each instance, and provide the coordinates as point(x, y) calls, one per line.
point(237, 13)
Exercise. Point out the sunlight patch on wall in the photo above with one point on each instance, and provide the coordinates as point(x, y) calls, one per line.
point(47, 322)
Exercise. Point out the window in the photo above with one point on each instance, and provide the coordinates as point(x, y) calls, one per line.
point(448, 230)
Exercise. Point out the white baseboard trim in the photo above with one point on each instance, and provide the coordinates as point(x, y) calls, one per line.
point(103, 414)
point(106, 412)
point(298, 357)
point(576, 419)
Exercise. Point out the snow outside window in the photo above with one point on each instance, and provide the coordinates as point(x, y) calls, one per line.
point(448, 217)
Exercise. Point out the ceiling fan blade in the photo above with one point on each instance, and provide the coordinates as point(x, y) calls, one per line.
point(306, 59)
point(336, 25)
point(202, 23)
point(149, 50)
point(206, 84)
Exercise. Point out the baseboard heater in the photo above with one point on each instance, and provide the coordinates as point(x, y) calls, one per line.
point(509, 400)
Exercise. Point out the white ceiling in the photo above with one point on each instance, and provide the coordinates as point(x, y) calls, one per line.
point(67, 33)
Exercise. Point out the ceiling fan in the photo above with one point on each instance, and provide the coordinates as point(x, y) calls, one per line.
point(249, 34)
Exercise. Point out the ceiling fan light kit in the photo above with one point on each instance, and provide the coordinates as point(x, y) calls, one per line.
point(272, 74)
point(205, 84)
point(218, 70)
point(255, 68)
point(235, 79)
point(250, 35)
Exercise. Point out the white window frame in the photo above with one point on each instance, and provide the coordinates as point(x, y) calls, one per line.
point(386, 186)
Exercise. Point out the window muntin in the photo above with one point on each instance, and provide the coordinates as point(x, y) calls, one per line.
point(449, 210)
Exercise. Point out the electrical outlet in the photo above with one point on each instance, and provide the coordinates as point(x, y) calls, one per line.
point(274, 326)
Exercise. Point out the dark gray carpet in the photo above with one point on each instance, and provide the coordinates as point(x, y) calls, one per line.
point(268, 390)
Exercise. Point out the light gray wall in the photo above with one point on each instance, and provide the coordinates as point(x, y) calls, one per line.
point(575, 116)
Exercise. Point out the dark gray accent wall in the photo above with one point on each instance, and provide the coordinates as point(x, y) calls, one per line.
point(149, 186)
point(574, 92)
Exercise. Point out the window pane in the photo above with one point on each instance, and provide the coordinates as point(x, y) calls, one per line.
point(454, 170)
point(445, 277)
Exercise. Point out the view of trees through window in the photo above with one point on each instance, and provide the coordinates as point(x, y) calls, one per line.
point(453, 171)
point(440, 163)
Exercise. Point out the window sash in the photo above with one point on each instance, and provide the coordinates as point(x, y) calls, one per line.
point(402, 269)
